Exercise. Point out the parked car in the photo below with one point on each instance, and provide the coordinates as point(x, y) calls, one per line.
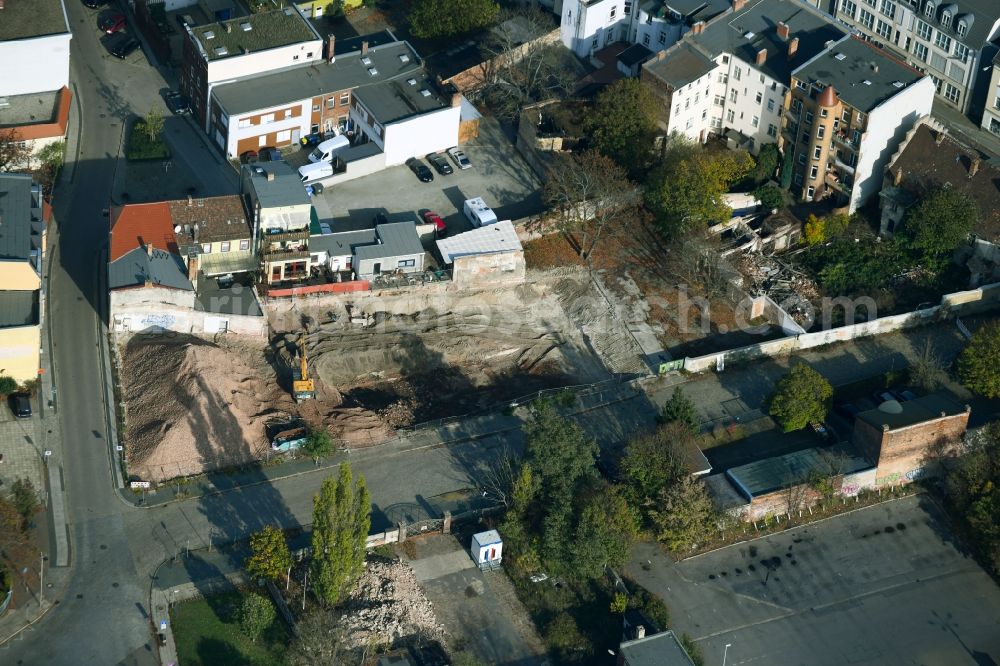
point(20, 404)
point(177, 103)
point(430, 217)
point(269, 155)
point(249, 157)
point(419, 168)
point(113, 23)
point(460, 158)
point(125, 48)
point(822, 431)
point(94, 4)
point(440, 164)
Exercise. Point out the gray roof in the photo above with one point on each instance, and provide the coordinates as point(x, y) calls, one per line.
point(162, 269)
point(398, 239)
point(314, 80)
point(254, 33)
point(771, 474)
point(491, 239)
point(911, 412)
point(983, 14)
point(682, 64)
point(16, 225)
point(854, 76)
point(24, 19)
point(31, 109)
point(662, 649)
point(285, 190)
point(400, 98)
point(238, 299)
point(18, 308)
point(634, 55)
point(342, 46)
point(359, 152)
point(342, 243)
point(746, 32)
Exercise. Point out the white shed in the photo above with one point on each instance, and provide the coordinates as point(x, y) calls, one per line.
point(487, 549)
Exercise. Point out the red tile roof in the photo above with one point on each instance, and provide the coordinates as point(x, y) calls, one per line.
point(136, 225)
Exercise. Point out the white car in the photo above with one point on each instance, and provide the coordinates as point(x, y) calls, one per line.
point(461, 160)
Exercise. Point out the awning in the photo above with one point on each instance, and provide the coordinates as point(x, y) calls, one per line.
point(223, 263)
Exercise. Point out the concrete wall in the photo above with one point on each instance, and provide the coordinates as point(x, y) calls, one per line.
point(34, 65)
point(853, 484)
point(366, 267)
point(157, 319)
point(242, 66)
point(19, 350)
point(123, 299)
point(19, 275)
point(422, 134)
point(473, 271)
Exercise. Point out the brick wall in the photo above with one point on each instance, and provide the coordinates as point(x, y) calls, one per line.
point(904, 450)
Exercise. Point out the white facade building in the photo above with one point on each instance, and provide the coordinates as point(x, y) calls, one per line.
point(34, 47)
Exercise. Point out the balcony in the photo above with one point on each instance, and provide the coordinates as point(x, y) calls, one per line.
point(838, 180)
point(845, 140)
point(286, 254)
point(282, 236)
point(842, 166)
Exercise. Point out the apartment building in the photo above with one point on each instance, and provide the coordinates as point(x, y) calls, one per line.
point(991, 109)
point(730, 76)
point(953, 42)
point(849, 109)
point(242, 47)
point(279, 213)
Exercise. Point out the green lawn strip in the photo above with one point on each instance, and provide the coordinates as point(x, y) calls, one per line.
point(206, 632)
point(141, 148)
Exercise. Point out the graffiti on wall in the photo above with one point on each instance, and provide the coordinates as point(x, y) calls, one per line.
point(165, 321)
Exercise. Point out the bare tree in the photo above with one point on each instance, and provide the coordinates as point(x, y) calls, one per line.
point(927, 371)
point(497, 481)
point(14, 153)
point(317, 641)
point(695, 260)
point(589, 192)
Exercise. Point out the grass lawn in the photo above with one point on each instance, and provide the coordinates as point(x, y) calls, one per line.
point(141, 148)
point(206, 632)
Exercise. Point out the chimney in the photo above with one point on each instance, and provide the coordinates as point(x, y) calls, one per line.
point(331, 41)
point(761, 56)
point(897, 177)
point(190, 200)
point(270, 176)
point(697, 28)
point(364, 47)
point(974, 167)
point(149, 249)
point(783, 31)
point(193, 264)
point(739, 4)
point(939, 138)
point(456, 100)
point(793, 47)
point(640, 632)
point(661, 55)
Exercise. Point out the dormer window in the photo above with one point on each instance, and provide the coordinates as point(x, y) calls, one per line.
point(946, 19)
point(962, 28)
point(929, 9)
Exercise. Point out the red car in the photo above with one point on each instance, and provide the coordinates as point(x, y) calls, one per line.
point(114, 23)
point(430, 217)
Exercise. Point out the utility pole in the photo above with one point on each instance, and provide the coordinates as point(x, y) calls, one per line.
point(305, 581)
point(725, 653)
point(41, 578)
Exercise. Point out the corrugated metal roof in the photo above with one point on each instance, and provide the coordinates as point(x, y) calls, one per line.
point(493, 238)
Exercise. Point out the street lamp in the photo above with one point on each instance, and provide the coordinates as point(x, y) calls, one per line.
point(725, 653)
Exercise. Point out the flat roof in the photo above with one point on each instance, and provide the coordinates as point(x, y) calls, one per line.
point(682, 64)
point(160, 267)
point(16, 225)
point(267, 30)
point(401, 98)
point(634, 55)
point(493, 238)
point(399, 239)
point(237, 299)
point(662, 649)
point(863, 75)
point(770, 474)
point(32, 109)
point(347, 72)
point(341, 243)
point(285, 189)
point(18, 308)
point(911, 412)
point(24, 19)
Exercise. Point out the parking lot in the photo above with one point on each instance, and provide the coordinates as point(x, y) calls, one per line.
point(884, 585)
point(498, 174)
point(21, 448)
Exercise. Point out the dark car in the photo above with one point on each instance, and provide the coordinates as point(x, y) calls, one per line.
point(20, 404)
point(249, 157)
point(269, 155)
point(113, 23)
point(440, 164)
point(125, 48)
point(419, 168)
point(430, 217)
point(94, 4)
point(177, 103)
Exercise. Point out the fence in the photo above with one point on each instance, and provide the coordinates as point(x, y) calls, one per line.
point(6, 602)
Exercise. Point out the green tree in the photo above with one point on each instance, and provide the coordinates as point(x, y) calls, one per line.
point(318, 444)
point(689, 196)
point(655, 460)
point(680, 408)
point(8, 385)
point(606, 532)
point(341, 520)
point(766, 164)
point(269, 557)
point(622, 124)
point(255, 614)
point(25, 499)
point(941, 221)
point(972, 488)
point(14, 152)
point(979, 362)
point(430, 19)
point(770, 197)
point(685, 515)
point(152, 124)
point(801, 397)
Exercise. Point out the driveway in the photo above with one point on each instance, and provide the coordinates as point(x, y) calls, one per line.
point(498, 175)
point(884, 585)
point(21, 449)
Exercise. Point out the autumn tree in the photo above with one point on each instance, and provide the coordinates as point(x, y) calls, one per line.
point(269, 557)
point(979, 362)
point(341, 520)
point(14, 152)
point(972, 489)
point(317, 639)
point(821, 229)
point(623, 124)
point(679, 408)
point(654, 460)
point(689, 195)
point(255, 614)
point(685, 515)
point(766, 163)
point(432, 19)
point(801, 397)
point(589, 192)
point(941, 221)
point(927, 371)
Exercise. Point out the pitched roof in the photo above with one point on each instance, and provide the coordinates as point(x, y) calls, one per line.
point(925, 165)
point(983, 13)
point(662, 649)
point(681, 64)
point(217, 219)
point(137, 225)
point(16, 224)
point(159, 267)
point(398, 239)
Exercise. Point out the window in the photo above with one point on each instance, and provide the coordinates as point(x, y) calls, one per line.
point(689, 124)
point(755, 122)
point(244, 122)
point(995, 125)
point(662, 39)
point(798, 179)
point(846, 116)
point(245, 244)
point(704, 113)
point(285, 135)
point(943, 41)
point(924, 31)
point(725, 60)
point(267, 118)
point(723, 78)
point(613, 13)
point(888, 8)
point(733, 96)
point(716, 122)
point(856, 138)
point(810, 191)
point(962, 28)
point(801, 85)
point(772, 131)
point(820, 132)
point(697, 96)
point(929, 9)
point(817, 151)
point(262, 141)
point(406, 263)
point(866, 19)
point(762, 78)
point(813, 172)
point(770, 105)
point(823, 113)
point(809, 117)
point(920, 51)
point(883, 29)
point(946, 19)
point(315, 108)
point(737, 74)
point(802, 158)
point(719, 100)
point(951, 93)
point(730, 115)
point(331, 102)
point(961, 51)
point(206, 248)
point(645, 40)
point(760, 97)
point(345, 98)
point(848, 8)
point(225, 246)
point(687, 104)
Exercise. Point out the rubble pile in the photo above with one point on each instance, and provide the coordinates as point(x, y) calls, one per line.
point(787, 286)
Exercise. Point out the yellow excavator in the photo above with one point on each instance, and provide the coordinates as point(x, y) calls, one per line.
point(302, 385)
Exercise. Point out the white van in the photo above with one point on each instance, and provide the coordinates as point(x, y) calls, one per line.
point(313, 172)
point(325, 151)
point(479, 213)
